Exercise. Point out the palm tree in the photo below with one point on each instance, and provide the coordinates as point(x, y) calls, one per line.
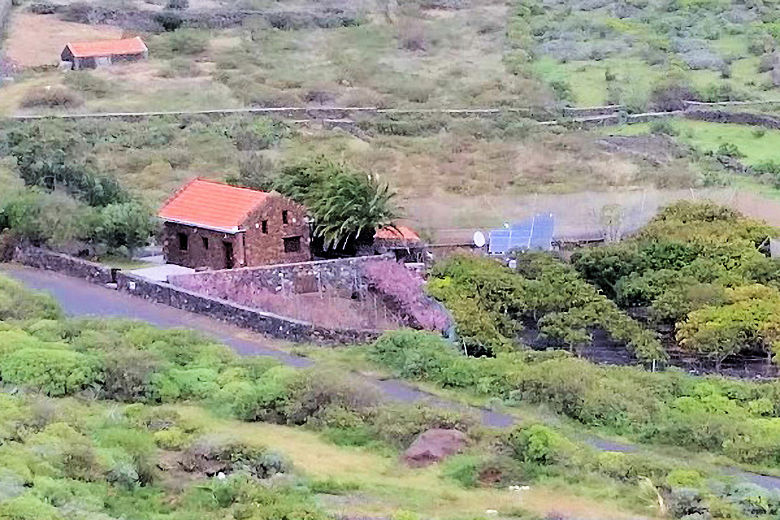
point(347, 205)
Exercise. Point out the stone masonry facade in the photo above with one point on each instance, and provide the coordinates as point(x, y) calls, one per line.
point(276, 232)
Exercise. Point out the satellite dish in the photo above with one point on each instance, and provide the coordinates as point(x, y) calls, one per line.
point(479, 239)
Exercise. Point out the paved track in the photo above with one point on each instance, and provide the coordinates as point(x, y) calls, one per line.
point(80, 298)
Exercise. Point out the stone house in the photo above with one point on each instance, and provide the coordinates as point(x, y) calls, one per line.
point(93, 54)
point(217, 226)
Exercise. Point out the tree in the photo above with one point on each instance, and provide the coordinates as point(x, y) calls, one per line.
point(347, 205)
point(127, 225)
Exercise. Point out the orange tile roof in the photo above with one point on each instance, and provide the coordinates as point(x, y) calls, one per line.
point(397, 233)
point(212, 205)
point(107, 47)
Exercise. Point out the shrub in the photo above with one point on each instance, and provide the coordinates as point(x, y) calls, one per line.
point(55, 372)
point(169, 20)
point(411, 35)
point(730, 150)
point(663, 126)
point(51, 97)
point(538, 444)
point(127, 225)
point(186, 42)
point(27, 507)
point(127, 375)
point(18, 303)
point(254, 171)
point(402, 289)
point(178, 4)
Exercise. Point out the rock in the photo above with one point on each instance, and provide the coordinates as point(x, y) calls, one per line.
point(434, 445)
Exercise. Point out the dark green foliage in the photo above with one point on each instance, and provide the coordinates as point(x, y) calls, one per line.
point(347, 205)
point(667, 407)
point(127, 224)
point(50, 157)
point(490, 304)
point(683, 265)
point(169, 20)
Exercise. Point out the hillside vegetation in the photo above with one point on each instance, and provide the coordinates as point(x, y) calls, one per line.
point(648, 53)
point(115, 419)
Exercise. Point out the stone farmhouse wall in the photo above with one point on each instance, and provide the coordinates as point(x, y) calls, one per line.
point(5, 12)
point(339, 277)
point(743, 118)
point(245, 317)
point(180, 298)
point(65, 264)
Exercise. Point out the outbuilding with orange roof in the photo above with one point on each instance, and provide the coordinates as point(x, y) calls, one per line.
point(93, 54)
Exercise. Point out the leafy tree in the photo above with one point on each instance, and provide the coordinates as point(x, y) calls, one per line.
point(127, 224)
point(50, 157)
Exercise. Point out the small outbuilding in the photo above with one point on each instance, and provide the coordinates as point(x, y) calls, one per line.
point(401, 240)
point(93, 54)
point(217, 226)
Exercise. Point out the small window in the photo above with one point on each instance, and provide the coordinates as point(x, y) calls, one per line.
point(205, 242)
point(292, 244)
point(183, 241)
point(265, 227)
point(284, 217)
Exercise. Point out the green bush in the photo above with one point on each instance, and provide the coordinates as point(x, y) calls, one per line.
point(538, 444)
point(54, 372)
point(18, 303)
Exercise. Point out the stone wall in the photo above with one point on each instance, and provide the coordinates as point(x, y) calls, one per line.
point(742, 118)
point(5, 12)
point(258, 321)
point(69, 265)
point(339, 277)
point(150, 20)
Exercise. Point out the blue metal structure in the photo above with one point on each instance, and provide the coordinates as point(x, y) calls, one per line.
point(533, 234)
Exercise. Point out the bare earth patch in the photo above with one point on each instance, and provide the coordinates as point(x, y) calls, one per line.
point(35, 40)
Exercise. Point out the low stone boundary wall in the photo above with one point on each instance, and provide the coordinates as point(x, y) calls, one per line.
point(5, 11)
point(741, 118)
point(69, 265)
point(245, 317)
point(339, 276)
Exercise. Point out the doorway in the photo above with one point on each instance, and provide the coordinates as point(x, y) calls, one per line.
point(228, 255)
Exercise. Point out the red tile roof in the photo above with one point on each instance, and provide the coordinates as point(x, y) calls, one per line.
point(397, 233)
point(212, 205)
point(107, 47)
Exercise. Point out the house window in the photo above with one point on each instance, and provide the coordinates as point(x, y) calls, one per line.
point(205, 242)
point(284, 217)
point(265, 227)
point(292, 244)
point(183, 241)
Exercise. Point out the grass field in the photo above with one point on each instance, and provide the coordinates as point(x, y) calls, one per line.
point(381, 484)
point(413, 57)
point(757, 144)
point(614, 52)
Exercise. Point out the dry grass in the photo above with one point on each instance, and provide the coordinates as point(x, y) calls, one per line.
point(35, 40)
point(386, 486)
